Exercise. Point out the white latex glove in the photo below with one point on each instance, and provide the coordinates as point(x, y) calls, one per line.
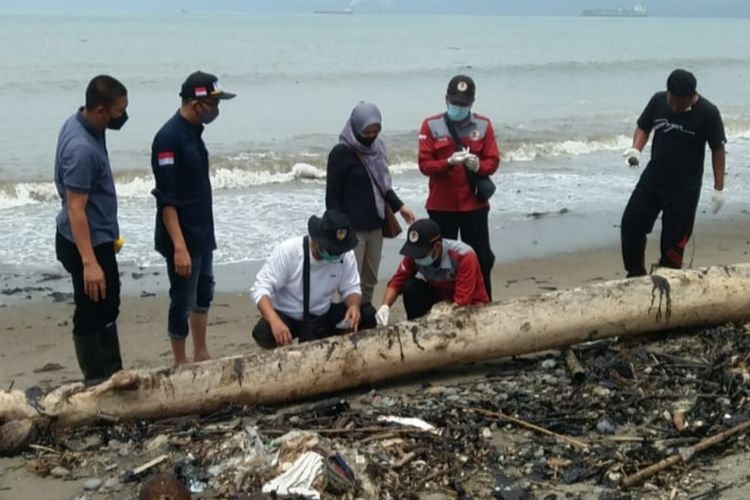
point(382, 315)
point(717, 200)
point(472, 162)
point(632, 157)
point(344, 324)
point(457, 158)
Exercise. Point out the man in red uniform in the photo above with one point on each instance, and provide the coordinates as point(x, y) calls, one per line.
point(450, 269)
point(451, 201)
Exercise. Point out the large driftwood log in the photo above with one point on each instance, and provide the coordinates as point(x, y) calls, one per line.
point(446, 337)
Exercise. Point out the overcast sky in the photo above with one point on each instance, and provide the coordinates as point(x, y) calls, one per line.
point(701, 8)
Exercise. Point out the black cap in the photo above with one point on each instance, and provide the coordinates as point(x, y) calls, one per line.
point(461, 90)
point(206, 85)
point(681, 83)
point(333, 232)
point(420, 237)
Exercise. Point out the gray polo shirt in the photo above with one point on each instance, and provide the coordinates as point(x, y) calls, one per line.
point(82, 166)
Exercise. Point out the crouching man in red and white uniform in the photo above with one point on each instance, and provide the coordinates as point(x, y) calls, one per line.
point(450, 270)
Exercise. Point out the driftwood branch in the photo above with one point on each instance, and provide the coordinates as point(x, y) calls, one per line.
point(684, 454)
point(528, 425)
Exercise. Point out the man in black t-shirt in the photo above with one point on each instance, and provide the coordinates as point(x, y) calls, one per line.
point(682, 122)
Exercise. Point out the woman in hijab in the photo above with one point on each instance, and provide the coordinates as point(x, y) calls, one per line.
point(359, 184)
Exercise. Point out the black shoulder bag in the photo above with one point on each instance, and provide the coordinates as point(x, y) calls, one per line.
point(481, 185)
point(306, 332)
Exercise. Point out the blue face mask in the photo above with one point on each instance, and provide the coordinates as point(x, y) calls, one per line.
point(458, 113)
point(425, 261)
point(329, 257)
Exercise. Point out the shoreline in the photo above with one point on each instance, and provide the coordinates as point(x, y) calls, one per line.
point(541, 236)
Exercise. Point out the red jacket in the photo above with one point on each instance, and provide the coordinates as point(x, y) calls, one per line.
point(458, 278)
point(450, 190)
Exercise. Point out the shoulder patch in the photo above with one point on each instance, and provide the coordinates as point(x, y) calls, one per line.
point(165, 158)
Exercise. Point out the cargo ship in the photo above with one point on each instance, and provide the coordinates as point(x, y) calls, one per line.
point(343, 11)
point(638, 11)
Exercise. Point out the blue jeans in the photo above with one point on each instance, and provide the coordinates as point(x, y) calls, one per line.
point(192, 294)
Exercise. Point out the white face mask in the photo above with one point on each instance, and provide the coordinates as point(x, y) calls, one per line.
point(425, 261)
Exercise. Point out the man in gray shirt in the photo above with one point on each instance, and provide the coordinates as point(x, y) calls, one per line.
point(87, 229)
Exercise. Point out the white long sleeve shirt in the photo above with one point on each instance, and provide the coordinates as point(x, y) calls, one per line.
point(280, 279)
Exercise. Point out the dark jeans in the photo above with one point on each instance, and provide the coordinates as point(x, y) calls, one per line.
point(419, 297)
point(475, 232)
point(678, 217)
point(91, 317)
point(320, 326)
point(191, 294)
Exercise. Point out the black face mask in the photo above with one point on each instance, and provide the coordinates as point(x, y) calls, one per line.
point(365, 141)
point(117, 123)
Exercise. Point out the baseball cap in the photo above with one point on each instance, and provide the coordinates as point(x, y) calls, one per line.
point(461, 90)
point(332, 232)
point(200, 84)
point(420, 237)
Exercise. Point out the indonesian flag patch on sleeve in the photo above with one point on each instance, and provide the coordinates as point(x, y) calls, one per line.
point(165, 158)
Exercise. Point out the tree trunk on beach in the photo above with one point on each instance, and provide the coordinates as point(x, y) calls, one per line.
point(448, 336)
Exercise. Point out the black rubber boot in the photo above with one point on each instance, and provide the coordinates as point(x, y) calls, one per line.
point(111, 359)
point(90, 358)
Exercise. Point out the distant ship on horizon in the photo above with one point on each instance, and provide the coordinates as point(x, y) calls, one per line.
point(638, 11)
point(342, 11)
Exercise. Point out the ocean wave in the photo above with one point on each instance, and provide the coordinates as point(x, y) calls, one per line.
point(530, 151)
point(258, 168)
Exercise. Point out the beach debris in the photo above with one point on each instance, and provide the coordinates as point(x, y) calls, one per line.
point(49, 367)
point(605, 426)
point(549, 364)
point(92, 484)
point(158, 443)
point(575, 369)
point(59, 471)
point(113, 484)
point(147, 466)
point(301, 478)
point(16, 435)
point(88, 442)
point(685, 454)
point(163, 487)
point(410, 422)
point(504, 431)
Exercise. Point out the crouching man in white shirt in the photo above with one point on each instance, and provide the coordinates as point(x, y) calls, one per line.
point(279, 286)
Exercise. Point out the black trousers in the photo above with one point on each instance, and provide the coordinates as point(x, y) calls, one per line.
point(419, 297)
point(319, 327)
point(475, 232)
point(677, 206)
point(91, 317)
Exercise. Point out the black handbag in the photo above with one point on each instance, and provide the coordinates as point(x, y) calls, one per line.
point(481, 185)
